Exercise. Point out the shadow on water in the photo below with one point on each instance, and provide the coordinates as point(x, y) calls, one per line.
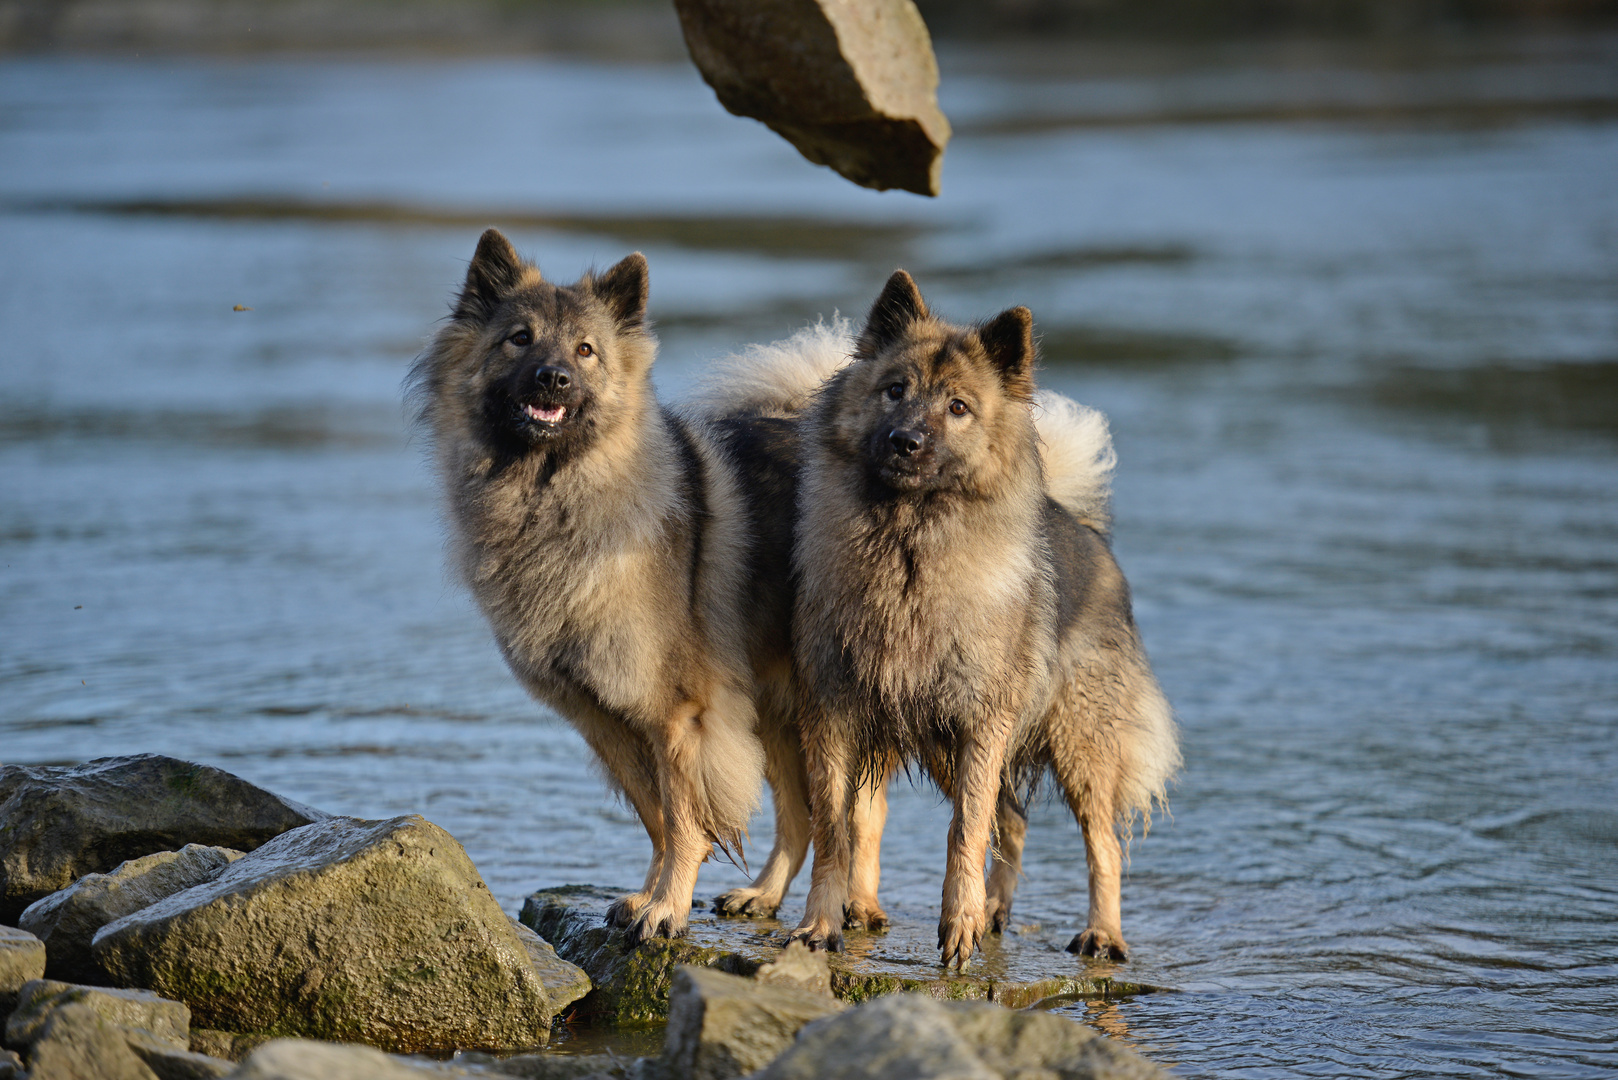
point(1511, 401)
point(775, 236)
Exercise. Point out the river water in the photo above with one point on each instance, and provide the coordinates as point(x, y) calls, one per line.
point(1354, 317)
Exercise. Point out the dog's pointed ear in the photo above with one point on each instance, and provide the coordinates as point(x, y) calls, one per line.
point(495, 270)
point(1008, 338)
point(623, 288)
point(893, 314)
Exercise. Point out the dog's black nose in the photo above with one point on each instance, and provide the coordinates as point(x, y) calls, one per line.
point(907, 441)
point(553, 378)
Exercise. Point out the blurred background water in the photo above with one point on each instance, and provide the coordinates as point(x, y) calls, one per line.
point(1353, 313)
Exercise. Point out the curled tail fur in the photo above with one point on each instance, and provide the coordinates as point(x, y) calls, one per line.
point(1075, 446)
point(777, 379)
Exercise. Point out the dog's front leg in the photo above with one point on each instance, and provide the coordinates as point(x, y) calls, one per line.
point(1103, 934)
point(831, 781)
point(977, 790)
point(1005, 866)
point(631, 764)
point(789, 788)
point(677, 745)
point(868, 814)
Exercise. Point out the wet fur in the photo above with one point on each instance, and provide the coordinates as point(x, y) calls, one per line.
point(959, 609)
point(632, 561)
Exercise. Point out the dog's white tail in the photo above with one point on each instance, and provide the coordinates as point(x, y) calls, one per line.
point(1076, 448)
point(777, 379)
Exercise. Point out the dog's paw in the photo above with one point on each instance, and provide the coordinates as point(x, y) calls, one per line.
point(997, 912)
point(865, 916)
point(1099, 944)
point(746, 902)
point(658, 919)
point(958, 937)
point(626, 909)
point(818, 936)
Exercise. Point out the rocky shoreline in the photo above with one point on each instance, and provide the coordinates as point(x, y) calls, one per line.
point(172, 921)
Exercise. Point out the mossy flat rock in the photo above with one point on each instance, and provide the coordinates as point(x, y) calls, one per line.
point(378, 932)
point(632, 985)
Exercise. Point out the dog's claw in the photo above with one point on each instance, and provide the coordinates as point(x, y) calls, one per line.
point(817, 940)
point(1099, 944)
point(999, 915)
point(957, 941)
point(746, 903)
point(859, 917)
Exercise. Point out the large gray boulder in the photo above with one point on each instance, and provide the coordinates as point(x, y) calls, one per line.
point(723, 1026)
point(378, 932)
point(22, 960)
point(924, 1039)
point(58, 823)
point(853, 85)
point(67, 920)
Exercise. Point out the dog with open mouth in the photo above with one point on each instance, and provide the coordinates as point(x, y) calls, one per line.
point(634, 562)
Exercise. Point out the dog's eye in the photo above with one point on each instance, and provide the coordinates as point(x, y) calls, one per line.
point(521, 339)
point(896, 391)
point(584, 349)
point(958, 407)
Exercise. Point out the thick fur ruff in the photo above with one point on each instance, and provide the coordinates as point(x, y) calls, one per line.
point(959, 606)
point(617, 550)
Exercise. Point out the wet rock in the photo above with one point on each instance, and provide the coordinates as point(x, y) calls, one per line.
point(78, 1043)
point(581, 1067)
point(227, 1045)
point(11, 1066)
point(22, 960)
point(380, 932)
point(851, 85)
point(67, 920)
point(41, 1000)
point(723, 1026)
point(59, 823)
point(631, 985)
point(564, 983)
point(913, 1036)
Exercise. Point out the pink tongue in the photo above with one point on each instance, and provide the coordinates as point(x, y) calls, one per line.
point(549, 414)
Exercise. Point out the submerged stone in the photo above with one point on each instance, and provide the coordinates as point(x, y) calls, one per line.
point(631, 985)
point(59, 823)
point(378, 932)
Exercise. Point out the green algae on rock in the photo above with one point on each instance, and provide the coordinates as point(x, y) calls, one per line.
point(377, 932)
point(632, 985)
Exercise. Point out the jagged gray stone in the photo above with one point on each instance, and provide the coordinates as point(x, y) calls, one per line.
point(798, 967)
point(22, 960)
point(67, 920)
point(723, 1026)
point(564, 983)
point(40, 1000)
point(377, 932)
point(853, 84)
point(58, 823)
point(172, 1063)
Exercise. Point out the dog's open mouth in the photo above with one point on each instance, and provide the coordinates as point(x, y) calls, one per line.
point(546, 414)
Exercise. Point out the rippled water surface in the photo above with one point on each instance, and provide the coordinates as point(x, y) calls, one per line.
point(1355, 321)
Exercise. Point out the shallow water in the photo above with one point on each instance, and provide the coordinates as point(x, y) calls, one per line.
point(1354, 318)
